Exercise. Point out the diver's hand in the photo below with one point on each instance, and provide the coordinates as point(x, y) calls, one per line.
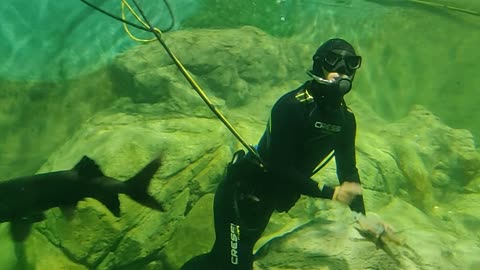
point(346, 192)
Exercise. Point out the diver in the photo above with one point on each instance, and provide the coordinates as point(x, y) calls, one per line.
point(305, 126)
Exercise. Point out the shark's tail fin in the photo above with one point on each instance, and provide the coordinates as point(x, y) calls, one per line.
point(137, 186)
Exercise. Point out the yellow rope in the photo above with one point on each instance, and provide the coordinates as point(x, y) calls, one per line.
point(125, 4)
point(186, 74)
point(475, 13)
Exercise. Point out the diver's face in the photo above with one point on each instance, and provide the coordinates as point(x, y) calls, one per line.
point(334, 75)
point(340, 63)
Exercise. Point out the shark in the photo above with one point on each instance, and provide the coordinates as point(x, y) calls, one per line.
point(24, 200)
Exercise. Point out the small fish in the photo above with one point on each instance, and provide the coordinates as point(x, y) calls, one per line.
point(23, 200)
point(380, 240)
point(385, 238)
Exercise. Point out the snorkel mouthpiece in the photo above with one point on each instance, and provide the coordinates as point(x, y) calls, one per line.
point(340, 84)
point(344, 85)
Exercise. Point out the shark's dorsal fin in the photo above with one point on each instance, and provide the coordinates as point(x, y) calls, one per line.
point(87, 167)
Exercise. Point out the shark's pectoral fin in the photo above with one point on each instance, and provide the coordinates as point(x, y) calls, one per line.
point(19, 230)
point(112, 202)
point(68, 211)
point(22, 258)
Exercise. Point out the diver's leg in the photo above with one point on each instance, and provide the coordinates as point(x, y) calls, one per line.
point(223, 251)
point(255, 216)
point(220, 255)
point(239, 223)
point(198, 263)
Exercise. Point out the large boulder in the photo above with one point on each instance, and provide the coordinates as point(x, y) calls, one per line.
point(235, 65)
point(418, 174)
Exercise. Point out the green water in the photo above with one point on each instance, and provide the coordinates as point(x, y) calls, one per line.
point(414, 53)
point(56, 57)
point(48, 40)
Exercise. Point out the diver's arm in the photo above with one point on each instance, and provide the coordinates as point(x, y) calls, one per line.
point(346, 160)
point(314, 189)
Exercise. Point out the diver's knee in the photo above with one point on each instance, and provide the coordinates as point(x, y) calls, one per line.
point(198, 263)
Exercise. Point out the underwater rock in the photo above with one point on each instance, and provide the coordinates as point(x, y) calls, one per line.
point(407, 168)
point(121, 140)
point(330, 241)
point(30, 112)
point(433, 157)
point(233, 65)
point(193, 236)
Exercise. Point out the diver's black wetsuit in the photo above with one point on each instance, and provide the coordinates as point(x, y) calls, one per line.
point(298, 137)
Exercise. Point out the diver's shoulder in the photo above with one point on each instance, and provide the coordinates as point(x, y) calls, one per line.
point(294, 96)
point(288, 104)
point(349, 112)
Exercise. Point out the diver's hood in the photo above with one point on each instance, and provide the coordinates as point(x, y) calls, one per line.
point(329, 46)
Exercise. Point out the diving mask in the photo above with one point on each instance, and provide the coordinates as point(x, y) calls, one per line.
point(351, 61)
point(339, 61)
